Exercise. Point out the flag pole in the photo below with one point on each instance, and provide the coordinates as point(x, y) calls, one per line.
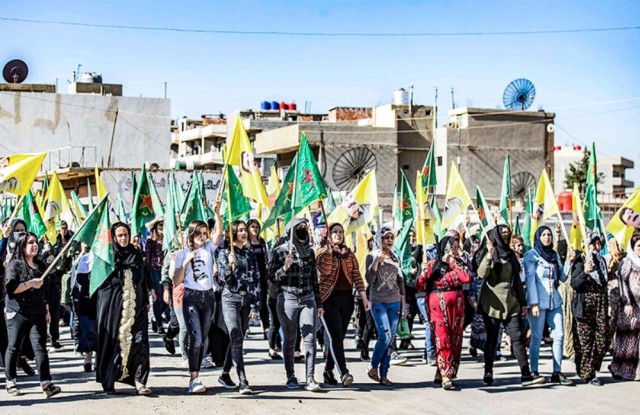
point(226, 176)
point(326, 223)
point(15, 209)
point(564, 231)
point(293, 202)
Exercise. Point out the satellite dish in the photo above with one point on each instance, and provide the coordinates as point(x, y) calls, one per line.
point(15, 71)
point(352, 166)
point(520, 183)
point(519, 95)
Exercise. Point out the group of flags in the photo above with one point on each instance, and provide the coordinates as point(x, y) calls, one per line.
point(245, 195)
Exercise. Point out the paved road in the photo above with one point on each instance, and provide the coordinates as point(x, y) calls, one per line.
point(413, 391)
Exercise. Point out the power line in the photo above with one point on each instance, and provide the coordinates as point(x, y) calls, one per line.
point(321, 34)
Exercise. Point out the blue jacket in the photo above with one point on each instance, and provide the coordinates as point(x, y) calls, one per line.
point(542, 280)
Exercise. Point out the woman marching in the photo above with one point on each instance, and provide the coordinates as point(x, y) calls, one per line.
point(339, 275)
point(259, 248)
point(502, 302)
point(443, 279)
point(543, 273)
point(240, 300)
point(84, 307)
point(194, 267)
point(590, 305)
point(27, 313)
point(122, 316)
point(386, 285)
point(625, 350)
point(293, 268)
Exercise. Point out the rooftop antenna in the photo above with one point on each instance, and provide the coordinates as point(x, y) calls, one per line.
point(15, 71)
point(519, 95)
point(453, 99)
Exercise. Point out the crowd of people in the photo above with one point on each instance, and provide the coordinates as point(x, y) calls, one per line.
point(306, 289)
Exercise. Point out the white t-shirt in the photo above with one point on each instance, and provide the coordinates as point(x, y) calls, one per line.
point(198, 275)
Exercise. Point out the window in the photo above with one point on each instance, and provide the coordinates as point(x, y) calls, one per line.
point(439, 160)
point(405, 167)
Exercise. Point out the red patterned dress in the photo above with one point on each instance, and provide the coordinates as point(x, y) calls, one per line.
point(443, 282)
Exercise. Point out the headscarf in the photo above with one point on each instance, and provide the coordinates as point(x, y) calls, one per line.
point(303, 248)
point(444, 246)
point(339, 250)
point(502, 251)
point(630, 253)
point(125, 257)
point(546, 252)
point(11, 243)
point(468, 244)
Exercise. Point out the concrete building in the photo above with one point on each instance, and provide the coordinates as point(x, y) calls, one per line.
point(614, 183)
point(478, 140)
point(93, 125)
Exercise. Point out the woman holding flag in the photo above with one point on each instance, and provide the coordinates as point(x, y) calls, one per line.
point(27, 313)
point(238, 269)
point(338, 275)
point(293, 268)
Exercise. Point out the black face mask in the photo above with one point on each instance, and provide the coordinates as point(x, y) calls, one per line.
point(302, 234)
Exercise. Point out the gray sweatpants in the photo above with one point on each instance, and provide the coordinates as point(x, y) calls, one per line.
point(298, 311)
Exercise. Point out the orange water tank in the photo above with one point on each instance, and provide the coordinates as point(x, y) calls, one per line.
point(565, 202)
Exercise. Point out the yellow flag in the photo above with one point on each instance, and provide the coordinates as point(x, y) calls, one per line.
point(626, 220)
point(457, 199)
point(18, 171)
point(273, 186)
point(56, 203)
point(545, 205)
point(578, 233)
point(99, 185)
point(240, 154)
point(424, 228)
point(359, 207)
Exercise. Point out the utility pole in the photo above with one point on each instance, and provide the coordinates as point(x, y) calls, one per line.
point(113, 133)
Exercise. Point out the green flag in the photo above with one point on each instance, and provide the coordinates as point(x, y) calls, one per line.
point(484, 212)
point(96, 232)
point(237, 203)
point(592, 213)
point(429, 170)
point(193, 208)
point(331, 203)
point(158, 209)
point(505, 195)
point(282, 206)
point(120, 212)
point(31, 215)
point(176, 193)
point(309, 185)
point(527, 225)
point(402, 248)
point(45, 183)
point(516, 227)
point(437, 227)
point(134, 186)
point(170, 222)
point(407, 201)
point(142, 207)
point(90, 204)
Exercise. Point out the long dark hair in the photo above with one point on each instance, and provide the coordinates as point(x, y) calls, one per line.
point(234, 230)
point(192, 229)
point(21, 244)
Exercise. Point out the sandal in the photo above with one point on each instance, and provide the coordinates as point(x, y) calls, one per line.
point(13, 390)
point(447, 384)
point(142, 389)
point(373, 374)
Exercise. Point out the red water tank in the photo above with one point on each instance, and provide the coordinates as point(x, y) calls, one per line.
point(284, 106)
point(293, 106)
point(565, 201)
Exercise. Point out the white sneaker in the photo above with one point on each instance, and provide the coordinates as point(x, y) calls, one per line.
point(397, 360)
point(195, 386)
point(207, 363)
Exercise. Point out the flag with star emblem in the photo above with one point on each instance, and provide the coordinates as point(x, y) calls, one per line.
point(484, 212)
point(592, 213)
point(142, 207)
point(309, 185)
point(95, 232)
point(428, 173)
point(18, 171)
point(193, 208)
point(282, 205)
point(407, 208)
point(30, 213)
point(236, 203)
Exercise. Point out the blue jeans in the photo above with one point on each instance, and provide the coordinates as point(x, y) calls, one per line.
point(428, 340)
point(556, 325)
point(386, 317)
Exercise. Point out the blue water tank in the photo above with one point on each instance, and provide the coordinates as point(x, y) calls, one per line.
point(275, 105)
point(265, 105)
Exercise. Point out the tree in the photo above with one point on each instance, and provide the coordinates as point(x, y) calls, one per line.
point(577, 173)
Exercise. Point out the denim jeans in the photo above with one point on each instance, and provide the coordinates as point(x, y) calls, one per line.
point(428, 338)
point(235, 310)
point(556, 325)
point(298, 311)
point(19, 327)
point(197, 307)
point(183, 335)
point(386, 317)
point(158, 305)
